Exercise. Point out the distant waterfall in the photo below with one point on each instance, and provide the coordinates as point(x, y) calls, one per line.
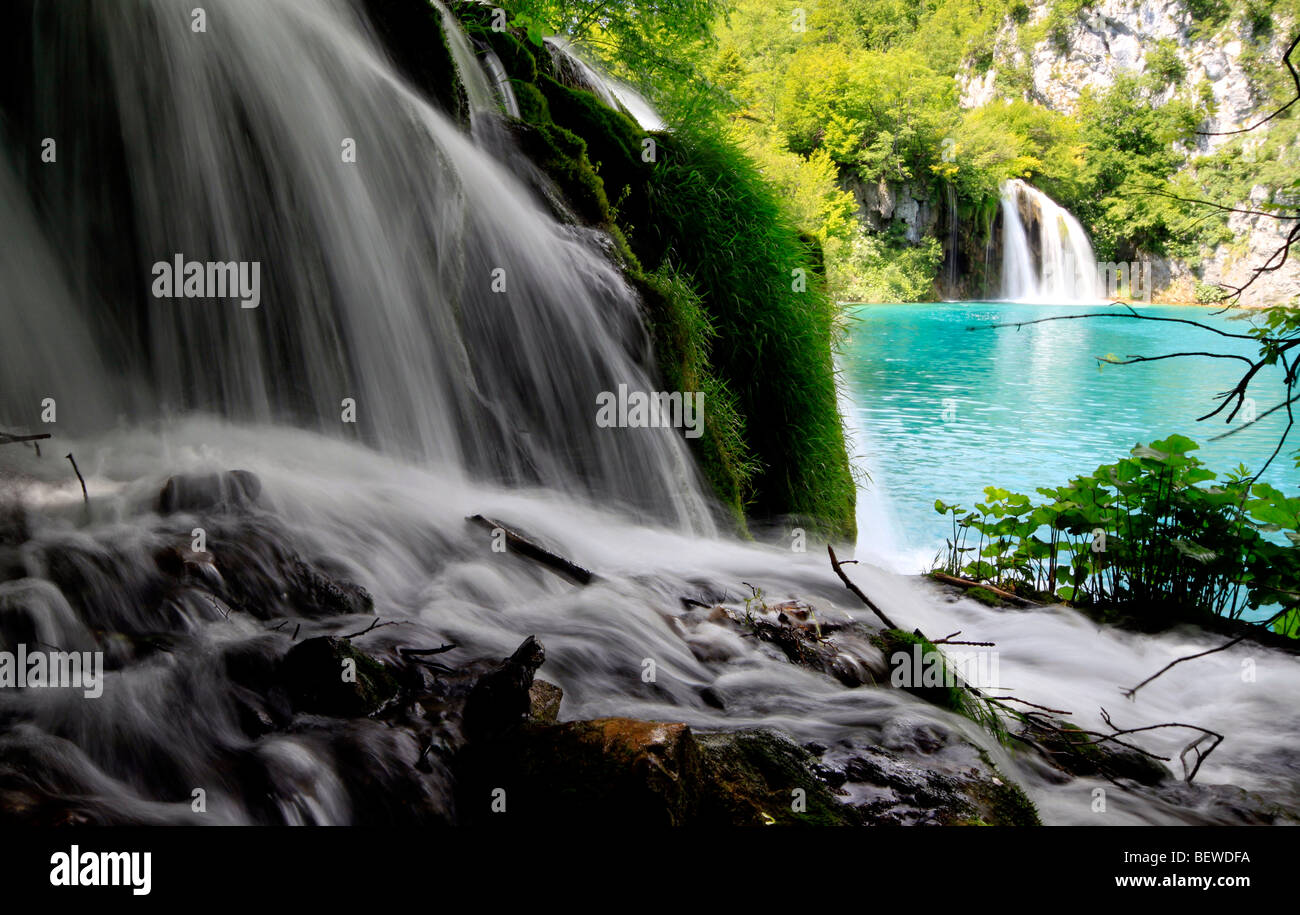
point(1046, 255)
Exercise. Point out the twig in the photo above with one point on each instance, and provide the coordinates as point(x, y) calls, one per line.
point(7, 438)
point(835, 564)
point(1131, 692)
point(84, 495)
point(376, 625)
point(425, 651)
point(1054, 711)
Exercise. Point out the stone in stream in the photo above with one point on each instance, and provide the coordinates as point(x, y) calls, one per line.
point(232, 490)
point(544, 700)
point(328, 676)
point(500, 698)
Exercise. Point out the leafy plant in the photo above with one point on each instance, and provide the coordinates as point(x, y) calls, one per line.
point(1155, 535)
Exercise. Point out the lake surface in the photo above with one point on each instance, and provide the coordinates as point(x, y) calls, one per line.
point(939, 411)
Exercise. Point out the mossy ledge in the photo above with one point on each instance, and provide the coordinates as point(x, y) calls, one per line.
point(734, 296)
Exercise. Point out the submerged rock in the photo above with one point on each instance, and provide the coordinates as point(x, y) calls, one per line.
point(233, 490)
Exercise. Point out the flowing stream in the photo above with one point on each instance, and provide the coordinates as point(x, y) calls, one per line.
point(378, 286)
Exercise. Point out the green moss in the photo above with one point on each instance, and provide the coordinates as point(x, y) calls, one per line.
point(563, 156)
point(722, 224)
point(985, 596)
point(615, 148)
point(532, 104)
point(683, 335)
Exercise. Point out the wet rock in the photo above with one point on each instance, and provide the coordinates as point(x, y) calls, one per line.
point(544, 701)
point(633, 772)
point(887, 788)
point(840, 648)
point(501, 696)
point(262, 575)
point(328, 676)
point(610, 770)
point(758, 776)
point(1075, 752)
point(231, 491)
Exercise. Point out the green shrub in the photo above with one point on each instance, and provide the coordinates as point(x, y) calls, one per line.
point(1153, 536)
point(1209, 294)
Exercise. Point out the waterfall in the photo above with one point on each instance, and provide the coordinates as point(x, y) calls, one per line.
point(950, 196)
point(501, 81)
point(577, 69)
point(423, 282)
point(1053, 264)
point(487, 87)
point(409, 270)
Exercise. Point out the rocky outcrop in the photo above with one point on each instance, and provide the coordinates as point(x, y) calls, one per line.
point(881, 203)
point(1109, 37)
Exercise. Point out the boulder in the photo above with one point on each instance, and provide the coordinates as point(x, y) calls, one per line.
point(231, 491)
point(328, 676)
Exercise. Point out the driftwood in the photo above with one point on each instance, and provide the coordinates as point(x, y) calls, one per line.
point(525, 547)
point(966, 584)
point(7, 438)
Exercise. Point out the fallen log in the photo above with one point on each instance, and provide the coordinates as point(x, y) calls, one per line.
point(966, 584)
point(525, 547)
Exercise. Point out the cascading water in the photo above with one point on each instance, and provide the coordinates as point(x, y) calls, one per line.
point(613, 93)
point(378, 287)
point(422, 281)
point(1058, 265)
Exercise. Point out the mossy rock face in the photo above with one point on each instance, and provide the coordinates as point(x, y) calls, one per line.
point(563, 156)
point(615, 145)
point(533, 108)
point(412, 32)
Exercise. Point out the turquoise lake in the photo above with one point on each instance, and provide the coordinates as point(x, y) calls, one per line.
point(939, 411)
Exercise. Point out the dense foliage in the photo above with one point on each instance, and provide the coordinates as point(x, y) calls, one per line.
point(1155, 535)
point(868, 92)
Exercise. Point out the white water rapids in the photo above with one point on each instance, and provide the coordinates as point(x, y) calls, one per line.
point(471, 402)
